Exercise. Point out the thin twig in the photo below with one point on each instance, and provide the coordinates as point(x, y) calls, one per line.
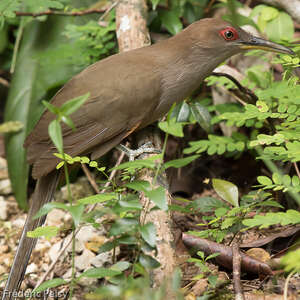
point(4, 82)
point(297, 169)
point(236, 271)
point(90, 178)
point(252, 97)
point(17, 46)
point(112, 174)
point(60, 13)
point(108, 10)
point(286, 285)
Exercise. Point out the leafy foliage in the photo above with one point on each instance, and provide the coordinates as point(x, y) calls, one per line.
point(283, 218)
point(93, 41)
point(217, 145)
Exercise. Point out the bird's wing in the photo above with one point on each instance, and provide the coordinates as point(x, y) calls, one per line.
point(118, 103)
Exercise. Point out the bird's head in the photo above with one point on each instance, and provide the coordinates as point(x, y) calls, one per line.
point(221, 37)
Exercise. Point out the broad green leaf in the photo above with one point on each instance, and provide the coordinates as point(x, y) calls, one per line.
point(202, 116)
point(49, 206)
point(11, 126)
point(3, 37)
point(72, 105)
point(100, 273)
point(264, 180)
point(76, 211)
point(129, 205)
point(55, 134)
point(181, 112)
point(98, 198)
point(46, 231)
point(180, 162)
point(280, 28)
point(42, 5)
point(138, 164)
point(226, 190)
point(148, 262)
point(171, 21)
point(158, 196)
point(269, 13)
point(49, 284)
point(52, 108)
point(172, 127)
point(148, 232)
point(154, 3)
point(121, 266)
point(139, 185)
point(291, 261)
point(221, 211)
point(122, 226)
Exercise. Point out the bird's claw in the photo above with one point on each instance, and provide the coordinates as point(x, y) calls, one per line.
point(133, 154)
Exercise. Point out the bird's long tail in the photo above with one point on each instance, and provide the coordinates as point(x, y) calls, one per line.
point(43, 193)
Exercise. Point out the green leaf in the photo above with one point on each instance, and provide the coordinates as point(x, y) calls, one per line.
point(221, 211)
point(139, 185)
point(181, 112)
point(55, 134)
point(280, 28)
point(50, 107)
point(11, 126)
point(48, 207)
point(172, 127)
point(46, 231)
point(202, 116)
point(122, 226)
point(226, 190)
point(76, 211)
point(49, 284)
point(264, 180)
point(154, 3)
point(121, 266)
point(100, 273)
point(42, 5)
point(171, 21)
point(180, 162)
point(98, 198)
point(138, 164)
point(148, 232)
point(148, 262)
point(72, 105)
point(158, 196)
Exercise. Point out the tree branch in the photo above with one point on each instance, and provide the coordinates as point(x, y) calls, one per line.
point(60, 13)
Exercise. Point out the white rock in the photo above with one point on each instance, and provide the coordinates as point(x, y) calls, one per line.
point(86, 281)
point(55, 217)
point(5, 187)
point(19, 222)
point(54, 251)
point(87, 233)
point(3, 209)
point(102, 258)
point(68, 275)
point(42, 244)
point(83, 261)
point(31, 268)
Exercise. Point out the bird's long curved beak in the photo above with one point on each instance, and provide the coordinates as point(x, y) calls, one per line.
point(258, 43)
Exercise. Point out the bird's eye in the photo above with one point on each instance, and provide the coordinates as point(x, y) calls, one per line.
point(229, 34)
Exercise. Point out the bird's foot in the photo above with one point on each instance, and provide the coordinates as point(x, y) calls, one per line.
point(133, 154)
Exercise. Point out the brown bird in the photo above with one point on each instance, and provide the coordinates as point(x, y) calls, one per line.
point(128, 91)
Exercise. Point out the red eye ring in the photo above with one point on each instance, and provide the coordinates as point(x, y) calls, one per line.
point(229, 34)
